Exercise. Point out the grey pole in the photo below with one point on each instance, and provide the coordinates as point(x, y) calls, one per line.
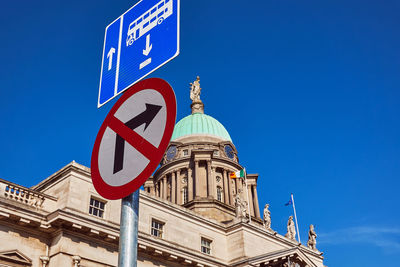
point(128, 234)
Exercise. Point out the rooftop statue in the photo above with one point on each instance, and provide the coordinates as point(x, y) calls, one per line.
point(312, 238)
point(195, 90)
point(291, 229)
point(267, 217)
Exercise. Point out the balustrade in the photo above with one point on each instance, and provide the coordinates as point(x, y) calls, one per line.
point(21, 194)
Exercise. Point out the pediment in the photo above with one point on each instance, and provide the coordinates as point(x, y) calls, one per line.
point(15, 256)
point(276, 257)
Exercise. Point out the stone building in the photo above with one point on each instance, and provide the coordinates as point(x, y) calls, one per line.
point(188, 214)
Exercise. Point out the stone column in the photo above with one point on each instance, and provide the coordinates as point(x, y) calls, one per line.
point(240, 185)
point(256, 207)
point(178, 187)
point(235, 182)
point(230, 187)
point(226, 187)
point(251, 211)
point(152, 190)
point(165, 187)
point(190, 184)
point(214, 182)
point(210, 180)
point(196, 179)
point(173, 187)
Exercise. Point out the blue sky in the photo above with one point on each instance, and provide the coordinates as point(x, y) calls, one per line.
point(308, 90)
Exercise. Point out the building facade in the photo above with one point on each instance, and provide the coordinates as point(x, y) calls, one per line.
point(191, 213)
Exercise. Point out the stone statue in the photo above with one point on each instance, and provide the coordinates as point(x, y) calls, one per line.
point(267, 217)
point(291, 229)
point(312, 238)
point(291, 264)
point(238, 206)
point(244, 211)
point(195, 90)
point(241, 208)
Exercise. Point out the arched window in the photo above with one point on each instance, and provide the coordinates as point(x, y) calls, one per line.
point(185, 195)
point(219, 193)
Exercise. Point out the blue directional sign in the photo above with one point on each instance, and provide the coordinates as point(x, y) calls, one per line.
point(137, 43)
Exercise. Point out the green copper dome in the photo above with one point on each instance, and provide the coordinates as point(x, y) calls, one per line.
point(199, 123)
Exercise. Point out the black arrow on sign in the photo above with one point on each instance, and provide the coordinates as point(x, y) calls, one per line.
point(146, 117)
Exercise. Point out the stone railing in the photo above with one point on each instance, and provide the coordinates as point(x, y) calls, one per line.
point(21, 194)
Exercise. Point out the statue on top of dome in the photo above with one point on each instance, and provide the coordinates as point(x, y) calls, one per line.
point(195, 90)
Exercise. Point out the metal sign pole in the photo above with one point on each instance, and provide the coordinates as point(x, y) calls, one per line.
point(128, 234)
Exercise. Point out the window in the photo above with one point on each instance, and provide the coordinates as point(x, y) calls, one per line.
point(157, 228)
point(96, 207)
point(185, 152)
point(219, 193)
point(185, 195)
point(160, 5)
point(153, 10)
point(216, 153)
point(206, 246)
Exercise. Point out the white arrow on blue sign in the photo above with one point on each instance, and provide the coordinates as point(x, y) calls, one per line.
point(137, 43)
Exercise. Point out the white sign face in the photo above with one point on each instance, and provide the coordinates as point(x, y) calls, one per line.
point(133, 161)
point(133, 138)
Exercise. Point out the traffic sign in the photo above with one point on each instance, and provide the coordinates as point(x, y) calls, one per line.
point(133, 138)
point(137, 43)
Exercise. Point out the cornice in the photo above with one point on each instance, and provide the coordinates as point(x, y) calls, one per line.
point(171, 207)
point(12, 207)
point(62, 174)
point(274, 236)
point(172, 251)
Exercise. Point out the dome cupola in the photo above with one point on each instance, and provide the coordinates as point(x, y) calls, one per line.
point(200, 124)
point(194, 171)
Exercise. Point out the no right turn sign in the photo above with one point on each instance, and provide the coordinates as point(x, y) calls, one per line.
point(133, 138)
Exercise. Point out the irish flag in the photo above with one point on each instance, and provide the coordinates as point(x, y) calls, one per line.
point(237, 174)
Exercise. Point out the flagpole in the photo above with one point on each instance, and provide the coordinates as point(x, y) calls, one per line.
point(247, 189)
point(295, 217)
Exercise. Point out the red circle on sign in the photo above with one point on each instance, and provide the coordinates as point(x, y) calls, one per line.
point(134, 139)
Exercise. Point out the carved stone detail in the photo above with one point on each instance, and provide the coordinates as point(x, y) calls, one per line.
point(45, 260)
point(312, 238)
point(195, 90)
point(23, 195)
point(267, 217)
point(241, 208)
point(76, 260)
point(291, 229)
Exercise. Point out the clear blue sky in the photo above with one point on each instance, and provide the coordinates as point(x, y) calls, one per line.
point(308, 90)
